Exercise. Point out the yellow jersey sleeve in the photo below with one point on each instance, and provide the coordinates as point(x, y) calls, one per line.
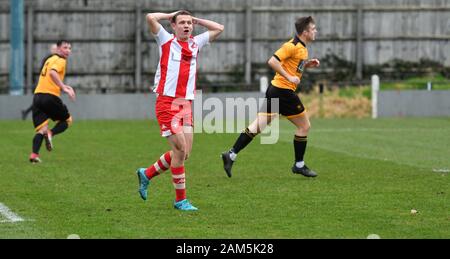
point(59, 65)
point(285, 52)
point(46, 85)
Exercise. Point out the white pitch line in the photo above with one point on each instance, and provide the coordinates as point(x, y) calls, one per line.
point(441, 170)
point(9, 215)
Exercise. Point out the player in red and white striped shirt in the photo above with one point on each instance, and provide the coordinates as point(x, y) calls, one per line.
point(175, 81)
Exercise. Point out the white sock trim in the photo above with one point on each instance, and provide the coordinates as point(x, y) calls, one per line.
point(157, 167)
point(164, 162)
point(233, 156)
point(178, 176)
point(179, 186)
point(300, 164)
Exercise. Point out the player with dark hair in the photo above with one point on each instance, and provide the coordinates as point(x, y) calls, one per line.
point(175, 82)
point(47, 103)
point(289, 63)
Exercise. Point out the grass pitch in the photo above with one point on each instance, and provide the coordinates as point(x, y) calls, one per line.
point(371, 174)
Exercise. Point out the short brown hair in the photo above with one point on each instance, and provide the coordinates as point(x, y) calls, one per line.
point(59, 43)
point(302, 24)
point(182, 12)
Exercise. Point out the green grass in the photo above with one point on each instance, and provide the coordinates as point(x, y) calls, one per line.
point(418, 83)
point(438, 82)
point(352, 92)
point(371, 174)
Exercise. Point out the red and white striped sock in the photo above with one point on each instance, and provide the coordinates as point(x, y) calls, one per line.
point(159, 166)
point(178, 179)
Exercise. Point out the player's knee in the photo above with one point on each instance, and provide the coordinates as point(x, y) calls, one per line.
point(179, 155)
point(69, 121)
point(252, 130)
point(179, 150)
point(43, 129)
point(306, 127)
point(187, 155)
point(303, 129)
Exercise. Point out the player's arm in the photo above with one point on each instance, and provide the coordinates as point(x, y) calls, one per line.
point(65, 88)
point(154, 18)
point(275, 64)
point(214, 28)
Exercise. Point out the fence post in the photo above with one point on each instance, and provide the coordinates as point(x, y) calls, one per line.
point(375, 89)
point(138, 51)
point(16, 71)
point(359, 42)
point(321, 110)
point(248, 44)
point(30, 43)
point(263, 84)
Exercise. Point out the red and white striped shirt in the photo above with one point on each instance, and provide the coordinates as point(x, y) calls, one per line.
point(177, 67)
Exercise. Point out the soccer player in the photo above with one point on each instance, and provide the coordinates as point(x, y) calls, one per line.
point(175, 81)
point(53, 48)
point(289, 63)
point(47, 103)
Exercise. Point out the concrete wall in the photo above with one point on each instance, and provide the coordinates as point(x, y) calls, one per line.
point(119, 106)
point(413, 103)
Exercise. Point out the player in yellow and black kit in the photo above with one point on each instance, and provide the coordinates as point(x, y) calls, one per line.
point(30, 108)
point(289, 63)
point(47, 103)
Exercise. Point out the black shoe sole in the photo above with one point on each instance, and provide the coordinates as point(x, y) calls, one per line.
point(227, 161)
point(295, 171)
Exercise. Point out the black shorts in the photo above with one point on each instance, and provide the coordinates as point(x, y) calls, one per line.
point(48, 106)
point(289, 104)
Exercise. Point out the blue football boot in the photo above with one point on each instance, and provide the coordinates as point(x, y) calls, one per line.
point(184, 205)
point(143, 183)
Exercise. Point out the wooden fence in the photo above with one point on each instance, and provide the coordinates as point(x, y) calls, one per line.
point(114, 52)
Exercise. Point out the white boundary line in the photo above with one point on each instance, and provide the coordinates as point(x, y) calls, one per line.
point(9, 215)
point(441, 170)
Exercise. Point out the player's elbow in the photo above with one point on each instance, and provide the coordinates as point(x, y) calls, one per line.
point(150, 17)
point(271, 61)
point(220, 28)
point(216, 32)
